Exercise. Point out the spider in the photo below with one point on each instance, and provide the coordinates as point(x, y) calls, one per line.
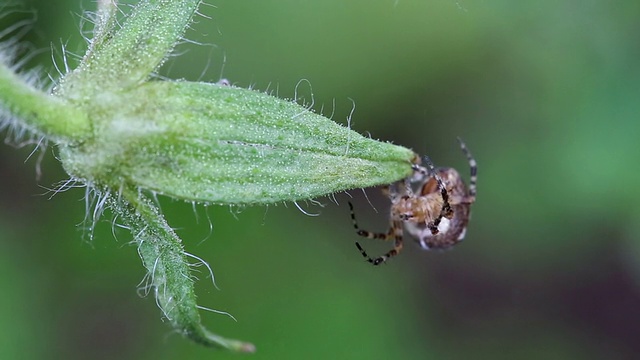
point(436, 215)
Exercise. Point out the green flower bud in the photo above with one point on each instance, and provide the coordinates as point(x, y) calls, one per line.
point(220, 144)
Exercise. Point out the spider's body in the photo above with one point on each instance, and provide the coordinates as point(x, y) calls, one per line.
point(450, 230)
point(436, 214)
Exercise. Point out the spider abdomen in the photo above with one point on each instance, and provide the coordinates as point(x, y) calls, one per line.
point(450, 231)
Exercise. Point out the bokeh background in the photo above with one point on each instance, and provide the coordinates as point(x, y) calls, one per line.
point(546, 95)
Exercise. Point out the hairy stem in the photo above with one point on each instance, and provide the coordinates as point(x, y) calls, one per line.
point(39, 112)
point(164, 258)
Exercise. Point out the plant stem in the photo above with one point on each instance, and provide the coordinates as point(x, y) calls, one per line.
point(41, 113)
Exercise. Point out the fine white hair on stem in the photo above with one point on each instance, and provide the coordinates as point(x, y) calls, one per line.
point(304, 211)
point(332, 196)
point(233, 212)
point(207, 65)
point(333, 108)
point(366, 196)
point(137, 238)
point(144, 286)
point(65, 61)
point(185, 40)
point(316, 202)
point(114, 225)
point(301, 99)
point(42, 146)
point(154, 198)
point(210, 226)
point(55, 62)
point(152, 273)
point(95, 204)
point(61, 187)
point(222, 65)
point(15, 54)
point(202, 262)
point(297, 98)
point(89, 198)
point(163, 307)
point(353, 109)
point(195, 211)
point(42, 139)
point(18, 29)
point(264, 215)
point(217, 312)
point(122, 226)
point(31, 76)
point(99, 207)
point(197, 12)
point(17, 135)
point(203, 3)
point(348, 194)
point(87, 17)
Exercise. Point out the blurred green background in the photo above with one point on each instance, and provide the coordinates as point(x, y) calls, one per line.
point(546, 95)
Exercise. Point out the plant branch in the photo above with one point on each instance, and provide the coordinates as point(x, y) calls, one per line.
point(38, 112)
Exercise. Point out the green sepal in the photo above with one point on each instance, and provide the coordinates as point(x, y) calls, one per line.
point(169, 276)
point(227, 145)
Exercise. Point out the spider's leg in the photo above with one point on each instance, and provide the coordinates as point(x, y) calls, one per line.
point(473, 166)
point(388, 192)
point(395, 232)
point(406, 187)
point(368, 234)
point(396, 227)
point(446, 210)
